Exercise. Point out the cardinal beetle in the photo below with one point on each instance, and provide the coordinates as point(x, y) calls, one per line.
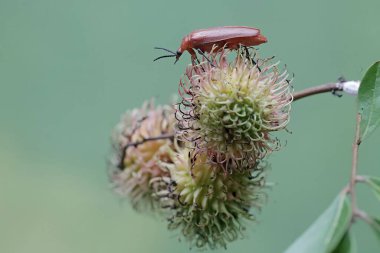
point(205, 40)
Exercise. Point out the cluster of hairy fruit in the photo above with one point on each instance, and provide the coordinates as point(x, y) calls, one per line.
point(203, 164)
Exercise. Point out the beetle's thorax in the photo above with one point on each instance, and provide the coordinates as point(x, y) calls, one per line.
point(185, 44)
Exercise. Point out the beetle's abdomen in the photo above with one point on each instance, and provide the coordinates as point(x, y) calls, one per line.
point(231, 43)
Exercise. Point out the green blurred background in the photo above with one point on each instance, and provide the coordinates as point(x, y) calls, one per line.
point(68, 69)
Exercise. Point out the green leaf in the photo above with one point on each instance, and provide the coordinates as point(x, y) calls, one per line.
point(374, 182)
point(327, 231)
point(369, 101)
point(347, 244)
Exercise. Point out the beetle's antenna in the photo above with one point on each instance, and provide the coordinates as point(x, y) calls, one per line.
point(164, 56)
point(173, 54)
point(167, 50)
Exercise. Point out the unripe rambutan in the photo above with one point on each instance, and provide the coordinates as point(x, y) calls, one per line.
point(210, 206)
point(134, 162)
point(229, 109)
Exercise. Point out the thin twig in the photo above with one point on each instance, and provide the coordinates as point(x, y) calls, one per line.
point(361, 179)
point(329, 87)
point(354, 168)
point(135, 144)
point(364, 216)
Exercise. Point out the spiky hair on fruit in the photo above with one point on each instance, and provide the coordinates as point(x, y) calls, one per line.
point(208, 206)
point(134, 161)
point(230, 108)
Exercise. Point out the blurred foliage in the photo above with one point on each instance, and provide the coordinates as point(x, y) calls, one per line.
point(326, 233)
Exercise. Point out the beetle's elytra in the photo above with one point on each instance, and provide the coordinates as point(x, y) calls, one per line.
point(204, 40)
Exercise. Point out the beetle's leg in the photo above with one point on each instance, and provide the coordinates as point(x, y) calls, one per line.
point(252, 59)
point(342, 79)
point(195, 61)
point(335, 92)
point(247, 55)
point(203, 54)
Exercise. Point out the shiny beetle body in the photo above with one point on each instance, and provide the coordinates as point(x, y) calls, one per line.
point(204, 40)
point(227, 36)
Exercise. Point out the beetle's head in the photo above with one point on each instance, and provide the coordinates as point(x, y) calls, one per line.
point(177, 55)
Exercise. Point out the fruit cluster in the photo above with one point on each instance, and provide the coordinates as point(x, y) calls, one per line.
point(203, 164)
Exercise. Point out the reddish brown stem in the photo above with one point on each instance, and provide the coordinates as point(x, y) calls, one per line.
point(329, 87)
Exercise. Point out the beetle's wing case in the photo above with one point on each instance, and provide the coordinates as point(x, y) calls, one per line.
point(216, 34)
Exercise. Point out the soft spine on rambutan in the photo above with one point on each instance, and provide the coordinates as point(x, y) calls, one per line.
point(210, 177)
point(132, 167)
point(207, 205)
point(229, 109)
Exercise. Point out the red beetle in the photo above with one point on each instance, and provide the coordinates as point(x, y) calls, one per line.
point(225, 36)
